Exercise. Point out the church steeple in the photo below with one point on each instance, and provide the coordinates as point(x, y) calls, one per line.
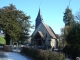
point(38, 19)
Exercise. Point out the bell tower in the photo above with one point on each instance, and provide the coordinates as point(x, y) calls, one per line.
point(38, 19)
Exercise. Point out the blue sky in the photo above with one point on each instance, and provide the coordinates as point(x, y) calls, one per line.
point(52, 10)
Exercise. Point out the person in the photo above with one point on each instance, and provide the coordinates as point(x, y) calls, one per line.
point(53, 49)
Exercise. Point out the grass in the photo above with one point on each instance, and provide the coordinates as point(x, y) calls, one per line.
point(2, 40)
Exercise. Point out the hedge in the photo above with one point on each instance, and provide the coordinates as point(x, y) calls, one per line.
point(42, 54)
point(74, 51)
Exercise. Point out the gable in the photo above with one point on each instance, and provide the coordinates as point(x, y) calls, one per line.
point(39, 34)
point(50, 31)
point(45, 29)
point(40, 28)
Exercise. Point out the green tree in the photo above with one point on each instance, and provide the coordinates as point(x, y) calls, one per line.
point(62, 37)
point(73, 41)
point(73, 37)
point(68, 17)
point(69, 21)
point(14, 22)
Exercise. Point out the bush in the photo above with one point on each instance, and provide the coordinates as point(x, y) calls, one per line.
point(42, 54)
point(73, 50)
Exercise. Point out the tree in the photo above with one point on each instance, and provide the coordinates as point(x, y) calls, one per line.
point(77, 17)
point(72, 33)
point(14, 22)
point(73, 37)
point(68, 17)
point(69, 21)
point(73, 41)
point(62, 37)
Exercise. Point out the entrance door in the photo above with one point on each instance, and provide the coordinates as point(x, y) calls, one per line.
point(39, 43)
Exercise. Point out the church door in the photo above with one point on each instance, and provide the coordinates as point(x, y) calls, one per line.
point(39, 43)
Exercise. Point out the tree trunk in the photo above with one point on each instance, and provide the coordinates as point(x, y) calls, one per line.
point(7, 37)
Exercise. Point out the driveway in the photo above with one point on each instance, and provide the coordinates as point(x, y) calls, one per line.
point(12, 56)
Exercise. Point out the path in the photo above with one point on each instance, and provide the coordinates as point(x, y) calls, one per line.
point(12, 56)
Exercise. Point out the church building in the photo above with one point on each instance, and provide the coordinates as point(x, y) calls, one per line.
point(43, 34)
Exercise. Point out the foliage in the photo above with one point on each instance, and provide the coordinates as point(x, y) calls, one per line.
point(69, 21)
point(42, 54)
point(74, 35)
point(24, 37)
point(77, 16)
point(68, 17)
point(14, 22)
point(2, 40)
point(73, 50)
point(62, 38)
point(73, 39)
point(57, 35)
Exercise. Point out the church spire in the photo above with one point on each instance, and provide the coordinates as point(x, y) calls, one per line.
point(38, 19)
point(39, 15)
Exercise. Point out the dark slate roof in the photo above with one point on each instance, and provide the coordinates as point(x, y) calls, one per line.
point(39, 16)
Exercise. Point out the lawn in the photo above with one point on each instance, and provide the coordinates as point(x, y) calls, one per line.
point(2, 40)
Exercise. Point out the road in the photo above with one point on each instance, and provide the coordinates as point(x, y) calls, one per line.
point(12, 56)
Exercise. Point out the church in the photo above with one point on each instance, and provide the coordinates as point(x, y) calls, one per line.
point(43, 34)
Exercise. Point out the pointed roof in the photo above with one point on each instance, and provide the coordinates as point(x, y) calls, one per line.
point(49, 30)
point(40, 33)
point(39, 16)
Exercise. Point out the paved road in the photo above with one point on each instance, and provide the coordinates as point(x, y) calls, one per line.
point(12, 56)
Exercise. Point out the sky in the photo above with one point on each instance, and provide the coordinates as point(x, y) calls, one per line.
point(52, 10)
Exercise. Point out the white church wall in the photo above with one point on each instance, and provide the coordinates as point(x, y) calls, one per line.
point(44, 31)
point(53, 43)
point(40, 28)
point(48, 39)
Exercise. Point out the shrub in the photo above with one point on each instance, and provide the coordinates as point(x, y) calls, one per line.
point(73, 50)
point(42, 54)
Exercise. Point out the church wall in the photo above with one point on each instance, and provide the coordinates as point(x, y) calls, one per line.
point(45, 33)
point(40, 28)
point(53, 43)
point(49, 41)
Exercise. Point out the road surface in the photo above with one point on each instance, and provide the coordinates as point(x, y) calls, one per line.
point(12, 56)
